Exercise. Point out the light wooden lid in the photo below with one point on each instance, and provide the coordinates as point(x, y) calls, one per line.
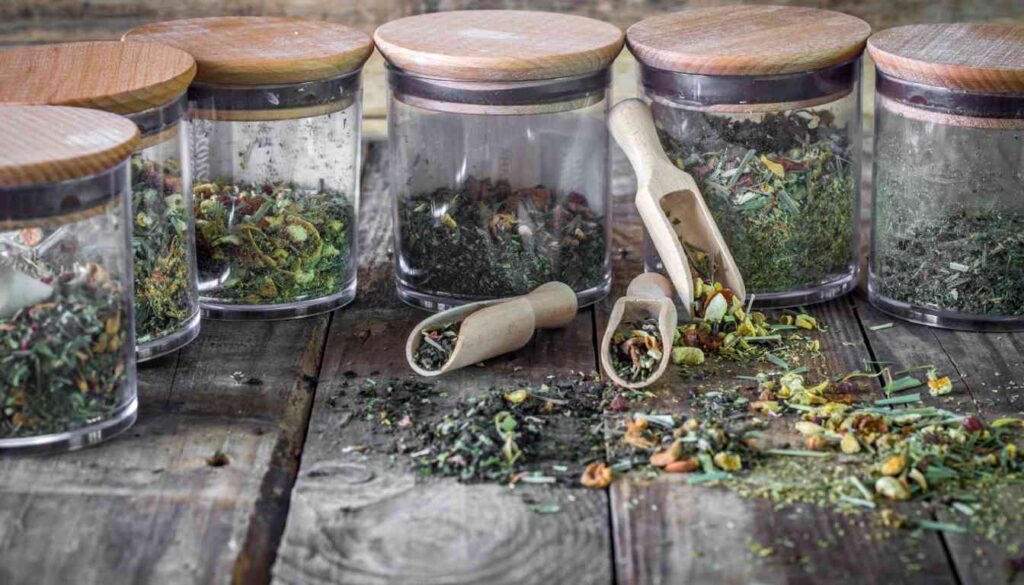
point(747, 40)
point(45, 144)
point(498, 45)
point(105, 75)
point(985, 58)
point(251, 50)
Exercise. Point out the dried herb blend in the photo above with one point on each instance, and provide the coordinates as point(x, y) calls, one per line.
point(436, 346)
point(485, 240)
point(62, 361)
point(782, 191)
point(969, 262)
point(273, 243)
point(636, 350)
point(165, 295)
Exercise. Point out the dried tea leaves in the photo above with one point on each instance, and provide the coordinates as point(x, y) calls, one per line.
point(636, 350)
point(436, 346)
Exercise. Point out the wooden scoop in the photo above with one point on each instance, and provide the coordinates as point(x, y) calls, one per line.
point(649, 295)
point(494, 327)
point(670, 204)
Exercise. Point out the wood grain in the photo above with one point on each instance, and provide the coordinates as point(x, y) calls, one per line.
point(261, 50)
point(983, 57)
point(498, 45)
point(105, 75)
point(747, 40)
point(44, 144)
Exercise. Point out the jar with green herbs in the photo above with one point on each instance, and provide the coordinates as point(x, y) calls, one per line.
point(498, 153)
point(67, 353)
point(275, 138)
point(146, 84)
point(761, 105)
point(948, 223)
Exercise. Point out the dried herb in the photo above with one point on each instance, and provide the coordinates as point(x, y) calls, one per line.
point(636, 350)
point(485, 240)
point(436, 346)
point(272, 243)
point(969, 262)
point(782, 191)
point(165, 294)
point(62, 361)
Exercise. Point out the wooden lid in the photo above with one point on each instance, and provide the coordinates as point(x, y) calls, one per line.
point(251, 50)
point(498, 45)
point(747, 40)
point(45, 144)
point(105, 75)
point(986, 58)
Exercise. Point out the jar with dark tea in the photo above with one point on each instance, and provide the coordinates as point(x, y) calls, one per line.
point(761, 105)
point(499, 153)
point(948, 223)
point(146, 84)
point(275, 128)
point(67, 344)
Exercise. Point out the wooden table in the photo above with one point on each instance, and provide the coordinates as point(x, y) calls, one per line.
point(310, 494)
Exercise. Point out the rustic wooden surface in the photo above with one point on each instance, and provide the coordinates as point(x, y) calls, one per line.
point(310, 494)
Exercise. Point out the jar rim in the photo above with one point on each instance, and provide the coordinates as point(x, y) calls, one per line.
point(62, 202)
point(944, 100)
point(302, 99)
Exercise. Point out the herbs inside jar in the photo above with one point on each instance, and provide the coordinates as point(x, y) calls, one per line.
point(781, 187)
point(485, 239)
point(272, 243)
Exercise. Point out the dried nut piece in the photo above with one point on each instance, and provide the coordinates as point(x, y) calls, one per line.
point(668, 455)
point(635, 429)
point(807, 427)
point(687, 356)
point(816, 443)
point(849, 444)
point(728, 461)
point(687, 465)
point(892, 488)
point(596, 476)
point(919, 479)
point(894, 465)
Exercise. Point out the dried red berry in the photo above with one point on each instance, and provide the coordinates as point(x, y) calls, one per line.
point(973, 424)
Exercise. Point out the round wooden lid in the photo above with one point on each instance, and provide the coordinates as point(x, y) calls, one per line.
point(977, 57)
point(251, 50)
point(498, 45)
point(747, 40)
point(45, 144)
point(105, 75)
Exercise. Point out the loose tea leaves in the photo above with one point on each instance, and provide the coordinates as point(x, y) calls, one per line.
point(484, 240)
point(436, 346)
point(62, 361)
point(165, 294)
point(272, 244)
point(782, 192)
point(636, 350)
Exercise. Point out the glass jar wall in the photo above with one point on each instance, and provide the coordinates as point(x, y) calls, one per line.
point(518, 195)
point(276, 183)
point(67, 353)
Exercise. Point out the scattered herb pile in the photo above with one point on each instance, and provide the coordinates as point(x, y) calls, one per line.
point(436, 346)
point(485, 240)
point(958, 261)
point(165, 293)
point(62, 361)
point(272, 244)
point(636, 350)
point(782, 191)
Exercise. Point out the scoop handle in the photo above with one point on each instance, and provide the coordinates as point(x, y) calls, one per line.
point(632, 126)
point(554, 305)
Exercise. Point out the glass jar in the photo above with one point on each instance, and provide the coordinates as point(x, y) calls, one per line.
point(67, 357)
point(518, 195)
point(948, 223)
point(146, 84)
point(275, 154)
point(771, 137)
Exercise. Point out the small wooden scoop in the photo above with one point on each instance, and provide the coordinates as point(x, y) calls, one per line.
point(494, 327)
point(670, 204)
point(649, 295)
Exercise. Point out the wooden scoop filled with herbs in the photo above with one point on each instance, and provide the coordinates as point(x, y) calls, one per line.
point(671, 205)
point(638, 340)
point(476, 332)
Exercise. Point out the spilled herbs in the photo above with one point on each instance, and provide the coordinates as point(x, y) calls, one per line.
point(485, 240)
point(272, 244)
point(782, 191)
point(636, 350)
point(165, 294)
point(436, 346)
